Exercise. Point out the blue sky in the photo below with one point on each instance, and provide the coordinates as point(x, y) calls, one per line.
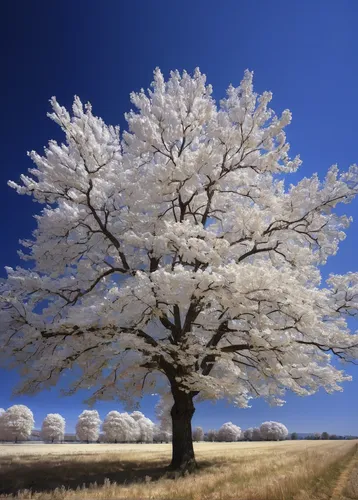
point(305, 52)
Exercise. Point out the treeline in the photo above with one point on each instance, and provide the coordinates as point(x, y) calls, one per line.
point(324, 435)
point(17, 424)
point(229, 432)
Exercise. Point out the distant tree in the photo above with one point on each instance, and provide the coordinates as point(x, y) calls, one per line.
point(294, 436)
point(162, 411)
point(160, 435)
point(248, 434)
point(273, 431)
point(17, 422)
point(229, 432)
point(333, 436)
point(256, 434)
point(188, 207)
point(88, 425)
point(2, 433)
point(53, 428)
point(145, 427)
point(198, 434)
point(211, 435)
point(316, 436)
point(120, 428)
point(324, 435)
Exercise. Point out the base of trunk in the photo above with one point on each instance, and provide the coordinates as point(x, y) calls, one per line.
point(186, 465)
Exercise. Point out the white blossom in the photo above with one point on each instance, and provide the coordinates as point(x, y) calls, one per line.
point(88, 425)
point(17, 423)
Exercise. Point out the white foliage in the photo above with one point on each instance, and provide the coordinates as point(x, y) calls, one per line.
point(120, 427)
point(17, 423)
point(175, 250)
point(256, 434)
point(198, 434)
point(145, 427)
point(53, 428)
point(211, 435)
point(161, 435)
point(248, 434)
point(273, 431)
point(162, 411)
point(229, 432)
point(2, 433)
point(88, 426)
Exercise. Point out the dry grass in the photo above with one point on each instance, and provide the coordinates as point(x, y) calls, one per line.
point(303, 470)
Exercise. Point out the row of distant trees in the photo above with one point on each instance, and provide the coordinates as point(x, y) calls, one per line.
point(17, 424)
point(268, 431)
point(324, 435)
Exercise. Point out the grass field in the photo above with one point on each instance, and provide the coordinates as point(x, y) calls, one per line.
point(301, 470)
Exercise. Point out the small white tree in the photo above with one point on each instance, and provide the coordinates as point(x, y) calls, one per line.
point(161, 435)
point(53, 428)
point(248, 434)
point(18, 423)
point(198, 434)
point(120, 427)
point(229, 432)
point(145, 427)
point(212, 435)
point(88, 425)
point(2, 434)
point(256, 434)
point(273, 431)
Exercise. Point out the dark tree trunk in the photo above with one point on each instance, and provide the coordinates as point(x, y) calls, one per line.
point(183, 458)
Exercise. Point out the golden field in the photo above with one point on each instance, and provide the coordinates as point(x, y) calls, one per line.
point(297, 470)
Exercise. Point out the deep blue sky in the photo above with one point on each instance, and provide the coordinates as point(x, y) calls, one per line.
point(304, 51)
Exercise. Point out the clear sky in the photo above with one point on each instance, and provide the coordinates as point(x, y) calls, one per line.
point(304, 51)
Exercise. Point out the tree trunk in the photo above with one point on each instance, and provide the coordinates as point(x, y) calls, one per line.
point(183, 458)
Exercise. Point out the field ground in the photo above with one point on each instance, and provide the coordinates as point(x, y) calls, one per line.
point(291, 470)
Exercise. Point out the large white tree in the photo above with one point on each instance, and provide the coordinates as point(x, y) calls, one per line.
point(174, 254)
point(17, 423)
point(273, 431)
point(53, 428)
point(88, 426)
point(229, 432)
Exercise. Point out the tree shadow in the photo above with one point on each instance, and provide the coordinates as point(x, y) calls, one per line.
point(46, 476)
